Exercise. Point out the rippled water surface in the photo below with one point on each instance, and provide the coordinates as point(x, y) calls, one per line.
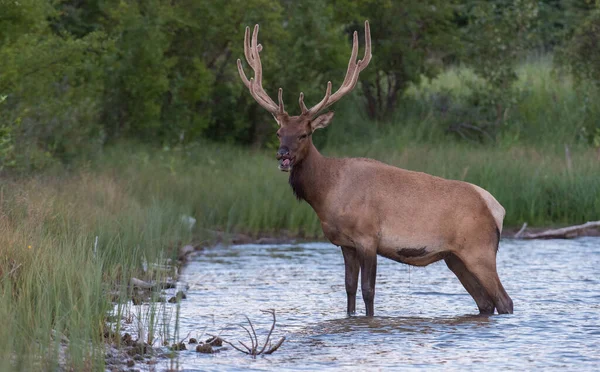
point(424, 318)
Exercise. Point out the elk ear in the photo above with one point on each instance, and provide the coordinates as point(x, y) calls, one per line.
point(321, 121)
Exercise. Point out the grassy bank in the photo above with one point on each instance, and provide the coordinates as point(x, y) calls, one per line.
point(238, 190)
point(54, 277)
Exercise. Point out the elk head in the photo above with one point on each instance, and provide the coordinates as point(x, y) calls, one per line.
point(295, 131)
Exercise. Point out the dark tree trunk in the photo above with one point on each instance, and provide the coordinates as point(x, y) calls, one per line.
point(371, 104)
point(381, 102)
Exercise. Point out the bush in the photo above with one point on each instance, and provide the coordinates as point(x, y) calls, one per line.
point(580, 56)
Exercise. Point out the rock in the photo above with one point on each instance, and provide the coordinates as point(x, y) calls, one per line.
point(192, 341)
point(215, 341)
point(109, 335)
point(138, 349)
point(130, 363)
point(178, 347)
point(241, 239)
point(180, 295)
point(137, 300)
point(170, 284)
point(185, 250)
point(127, 339)
point(204, 348)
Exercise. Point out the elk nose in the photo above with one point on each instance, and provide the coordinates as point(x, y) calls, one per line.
point(283, 151)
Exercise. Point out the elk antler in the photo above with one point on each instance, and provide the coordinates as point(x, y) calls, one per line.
point(354, 69)
point(251, 51)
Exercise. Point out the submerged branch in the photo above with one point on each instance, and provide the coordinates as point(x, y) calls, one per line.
point(254, 351)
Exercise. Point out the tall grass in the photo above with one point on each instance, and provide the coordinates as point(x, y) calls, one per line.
point(231, 189)
point(55, 279)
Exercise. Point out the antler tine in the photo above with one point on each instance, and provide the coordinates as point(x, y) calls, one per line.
point(247, 51)
point(352, 61)
point(280, 98)
point(352, 73)
point(255, 56)
point(242, 74)
point(367, 57)
point(321, 105)
point(251, 52)
point(301, 103)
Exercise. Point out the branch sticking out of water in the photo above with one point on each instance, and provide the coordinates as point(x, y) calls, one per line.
point(255, 348)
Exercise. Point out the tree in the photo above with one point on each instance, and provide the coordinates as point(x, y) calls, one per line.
point(580, 56)
point(411, 38)
point(50, 84)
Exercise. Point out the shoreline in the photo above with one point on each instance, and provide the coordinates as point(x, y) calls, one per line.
point(286, 237)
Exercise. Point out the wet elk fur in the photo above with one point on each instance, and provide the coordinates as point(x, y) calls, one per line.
point(369, 208)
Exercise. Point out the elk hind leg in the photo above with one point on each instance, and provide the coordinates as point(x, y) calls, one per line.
point(483, 266)
point(484, 302)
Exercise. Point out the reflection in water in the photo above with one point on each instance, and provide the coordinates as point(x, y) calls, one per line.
point(420, 322)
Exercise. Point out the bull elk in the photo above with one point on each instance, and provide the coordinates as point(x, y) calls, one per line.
point(368, 208)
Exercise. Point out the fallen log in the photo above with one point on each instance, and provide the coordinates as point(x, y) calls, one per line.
point(562, 233)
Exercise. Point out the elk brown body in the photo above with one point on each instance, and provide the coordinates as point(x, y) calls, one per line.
point(369, 208)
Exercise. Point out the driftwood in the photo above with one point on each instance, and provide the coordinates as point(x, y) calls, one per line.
point(563, 233)
point(140, 284)
point(255, 349)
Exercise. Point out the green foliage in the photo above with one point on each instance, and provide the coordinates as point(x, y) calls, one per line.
point(581, 58)
point(77, 75)
point(582, 53)
point(496, 36)
point(410, 40)
point(50, 83)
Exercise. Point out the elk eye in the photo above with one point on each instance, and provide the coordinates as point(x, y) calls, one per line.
point(303, 136)
point(278, 135)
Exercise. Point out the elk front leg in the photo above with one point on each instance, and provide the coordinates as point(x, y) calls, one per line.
point(368, 273)
point(352, 269)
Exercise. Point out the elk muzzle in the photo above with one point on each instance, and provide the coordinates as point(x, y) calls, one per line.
point(285, 159)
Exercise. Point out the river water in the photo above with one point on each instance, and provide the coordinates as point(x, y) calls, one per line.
point(424, 318)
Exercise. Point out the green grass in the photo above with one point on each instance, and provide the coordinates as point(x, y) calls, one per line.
point(132, 198)
point(50, 278)
point(231, 189)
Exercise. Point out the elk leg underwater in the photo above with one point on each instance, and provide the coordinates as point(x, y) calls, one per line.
point(483, 267)
point(469, 281)
point(352, 269)
point(368, 274)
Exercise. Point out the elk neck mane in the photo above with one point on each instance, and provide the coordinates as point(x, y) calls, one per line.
point(312, 178)
point(296, 183)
